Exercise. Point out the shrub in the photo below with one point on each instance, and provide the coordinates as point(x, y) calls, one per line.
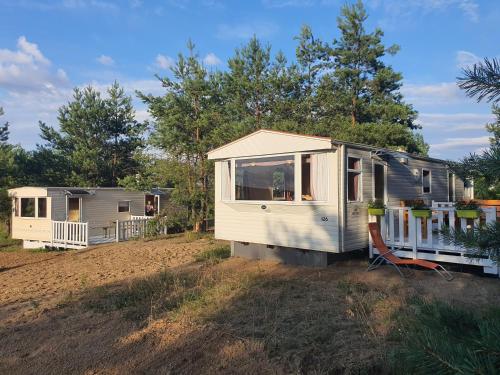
point(377, 203)
point(467, 205)
point(438, 338)
point(214, 255)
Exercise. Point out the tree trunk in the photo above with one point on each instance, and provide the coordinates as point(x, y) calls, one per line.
point(353, 111)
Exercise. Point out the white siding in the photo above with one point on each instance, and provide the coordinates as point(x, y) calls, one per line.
point(266, 142)
point(290, 224)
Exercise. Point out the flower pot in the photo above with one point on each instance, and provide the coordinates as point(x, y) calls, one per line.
point(468, 214)
point(424, 213)
point(376, 211)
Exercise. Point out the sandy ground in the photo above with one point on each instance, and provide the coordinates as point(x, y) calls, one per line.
point(45, 330)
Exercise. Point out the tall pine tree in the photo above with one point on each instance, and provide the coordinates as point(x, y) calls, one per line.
point(97, 136)
point(361, 86)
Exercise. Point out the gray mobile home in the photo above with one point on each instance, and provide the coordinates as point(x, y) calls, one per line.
point(75, 216)
point(280, 194)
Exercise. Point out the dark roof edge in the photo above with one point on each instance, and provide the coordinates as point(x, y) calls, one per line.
point(389, 151)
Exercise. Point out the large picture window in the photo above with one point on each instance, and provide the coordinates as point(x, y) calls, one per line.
point(265, 179)
point(315, 177)
point(353, 179)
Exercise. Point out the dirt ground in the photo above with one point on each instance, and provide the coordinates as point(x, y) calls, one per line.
point(235, 316)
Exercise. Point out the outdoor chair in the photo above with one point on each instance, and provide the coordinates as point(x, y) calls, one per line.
point(385, 254)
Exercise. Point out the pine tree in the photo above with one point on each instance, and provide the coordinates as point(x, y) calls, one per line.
point(4, 130)
point(188, 123)
point(247, 84)
point(97, 136)
point(362, 87)
point(482, 80)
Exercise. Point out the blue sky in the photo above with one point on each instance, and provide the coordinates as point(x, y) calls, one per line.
point(48, 47)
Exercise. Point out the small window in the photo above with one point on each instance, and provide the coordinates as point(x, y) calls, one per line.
point(124, 206)
point(226, 180)
point(315, 177)
point(426, 181)
point(353, 179)
point(42, 207)
point(451, 187)
point(27, 207)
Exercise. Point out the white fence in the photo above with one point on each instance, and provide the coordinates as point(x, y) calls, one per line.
point(70, 234)
point(419, 238)
point(128, 229)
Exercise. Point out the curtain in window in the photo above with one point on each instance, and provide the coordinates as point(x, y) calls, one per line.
point(319, 176)
point(226, 180)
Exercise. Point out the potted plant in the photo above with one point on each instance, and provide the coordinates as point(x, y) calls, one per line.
point(376, 207)
point(420, 209)
point(467, 210)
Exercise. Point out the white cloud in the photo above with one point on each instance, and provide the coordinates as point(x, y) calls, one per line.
point(246, 30)
point(211, 59)
point(164, 62)
point(27, 69)
point(454, 122)
point(408, 8)
point(465, 59)
point(437, 93)
point(460, 143)
point(105, 60)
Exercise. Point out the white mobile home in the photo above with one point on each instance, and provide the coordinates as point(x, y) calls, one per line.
point(278, 194)
point(75, 217)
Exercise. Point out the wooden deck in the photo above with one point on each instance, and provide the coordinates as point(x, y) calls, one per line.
point(418, 238)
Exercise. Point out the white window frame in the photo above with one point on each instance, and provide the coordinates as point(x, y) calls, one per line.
point(360, 171)
point(118, 206)
point(328, 195)
point(297, 180)
point(430, 181)
point(231, 180)
point(35, 216)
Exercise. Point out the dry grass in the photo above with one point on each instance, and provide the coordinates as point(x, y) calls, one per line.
point(189, 309)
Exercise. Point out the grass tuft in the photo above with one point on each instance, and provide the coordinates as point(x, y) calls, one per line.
point(214, 255)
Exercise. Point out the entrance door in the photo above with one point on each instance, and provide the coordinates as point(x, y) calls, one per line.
point(149, 204)
point(73, 209)
point(379, 181)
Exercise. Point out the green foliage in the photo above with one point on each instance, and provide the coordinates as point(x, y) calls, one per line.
point(391, 136)
point(376, 203)
point(359, 85)
point(187, 125)
point(97, 137)
point(214, 255)
point(437, 338)
point(482, 240)
point(417, 204)
point(4, 131)
point(155, 227)
point(5, 205)
point(482, 80)
point(483, 168)
point(466, 205)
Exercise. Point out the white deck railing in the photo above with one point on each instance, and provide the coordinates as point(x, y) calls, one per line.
point(70, 233)
point(127, 229)
point(419, 238)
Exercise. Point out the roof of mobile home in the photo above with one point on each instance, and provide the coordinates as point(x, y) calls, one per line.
point(264, 142)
